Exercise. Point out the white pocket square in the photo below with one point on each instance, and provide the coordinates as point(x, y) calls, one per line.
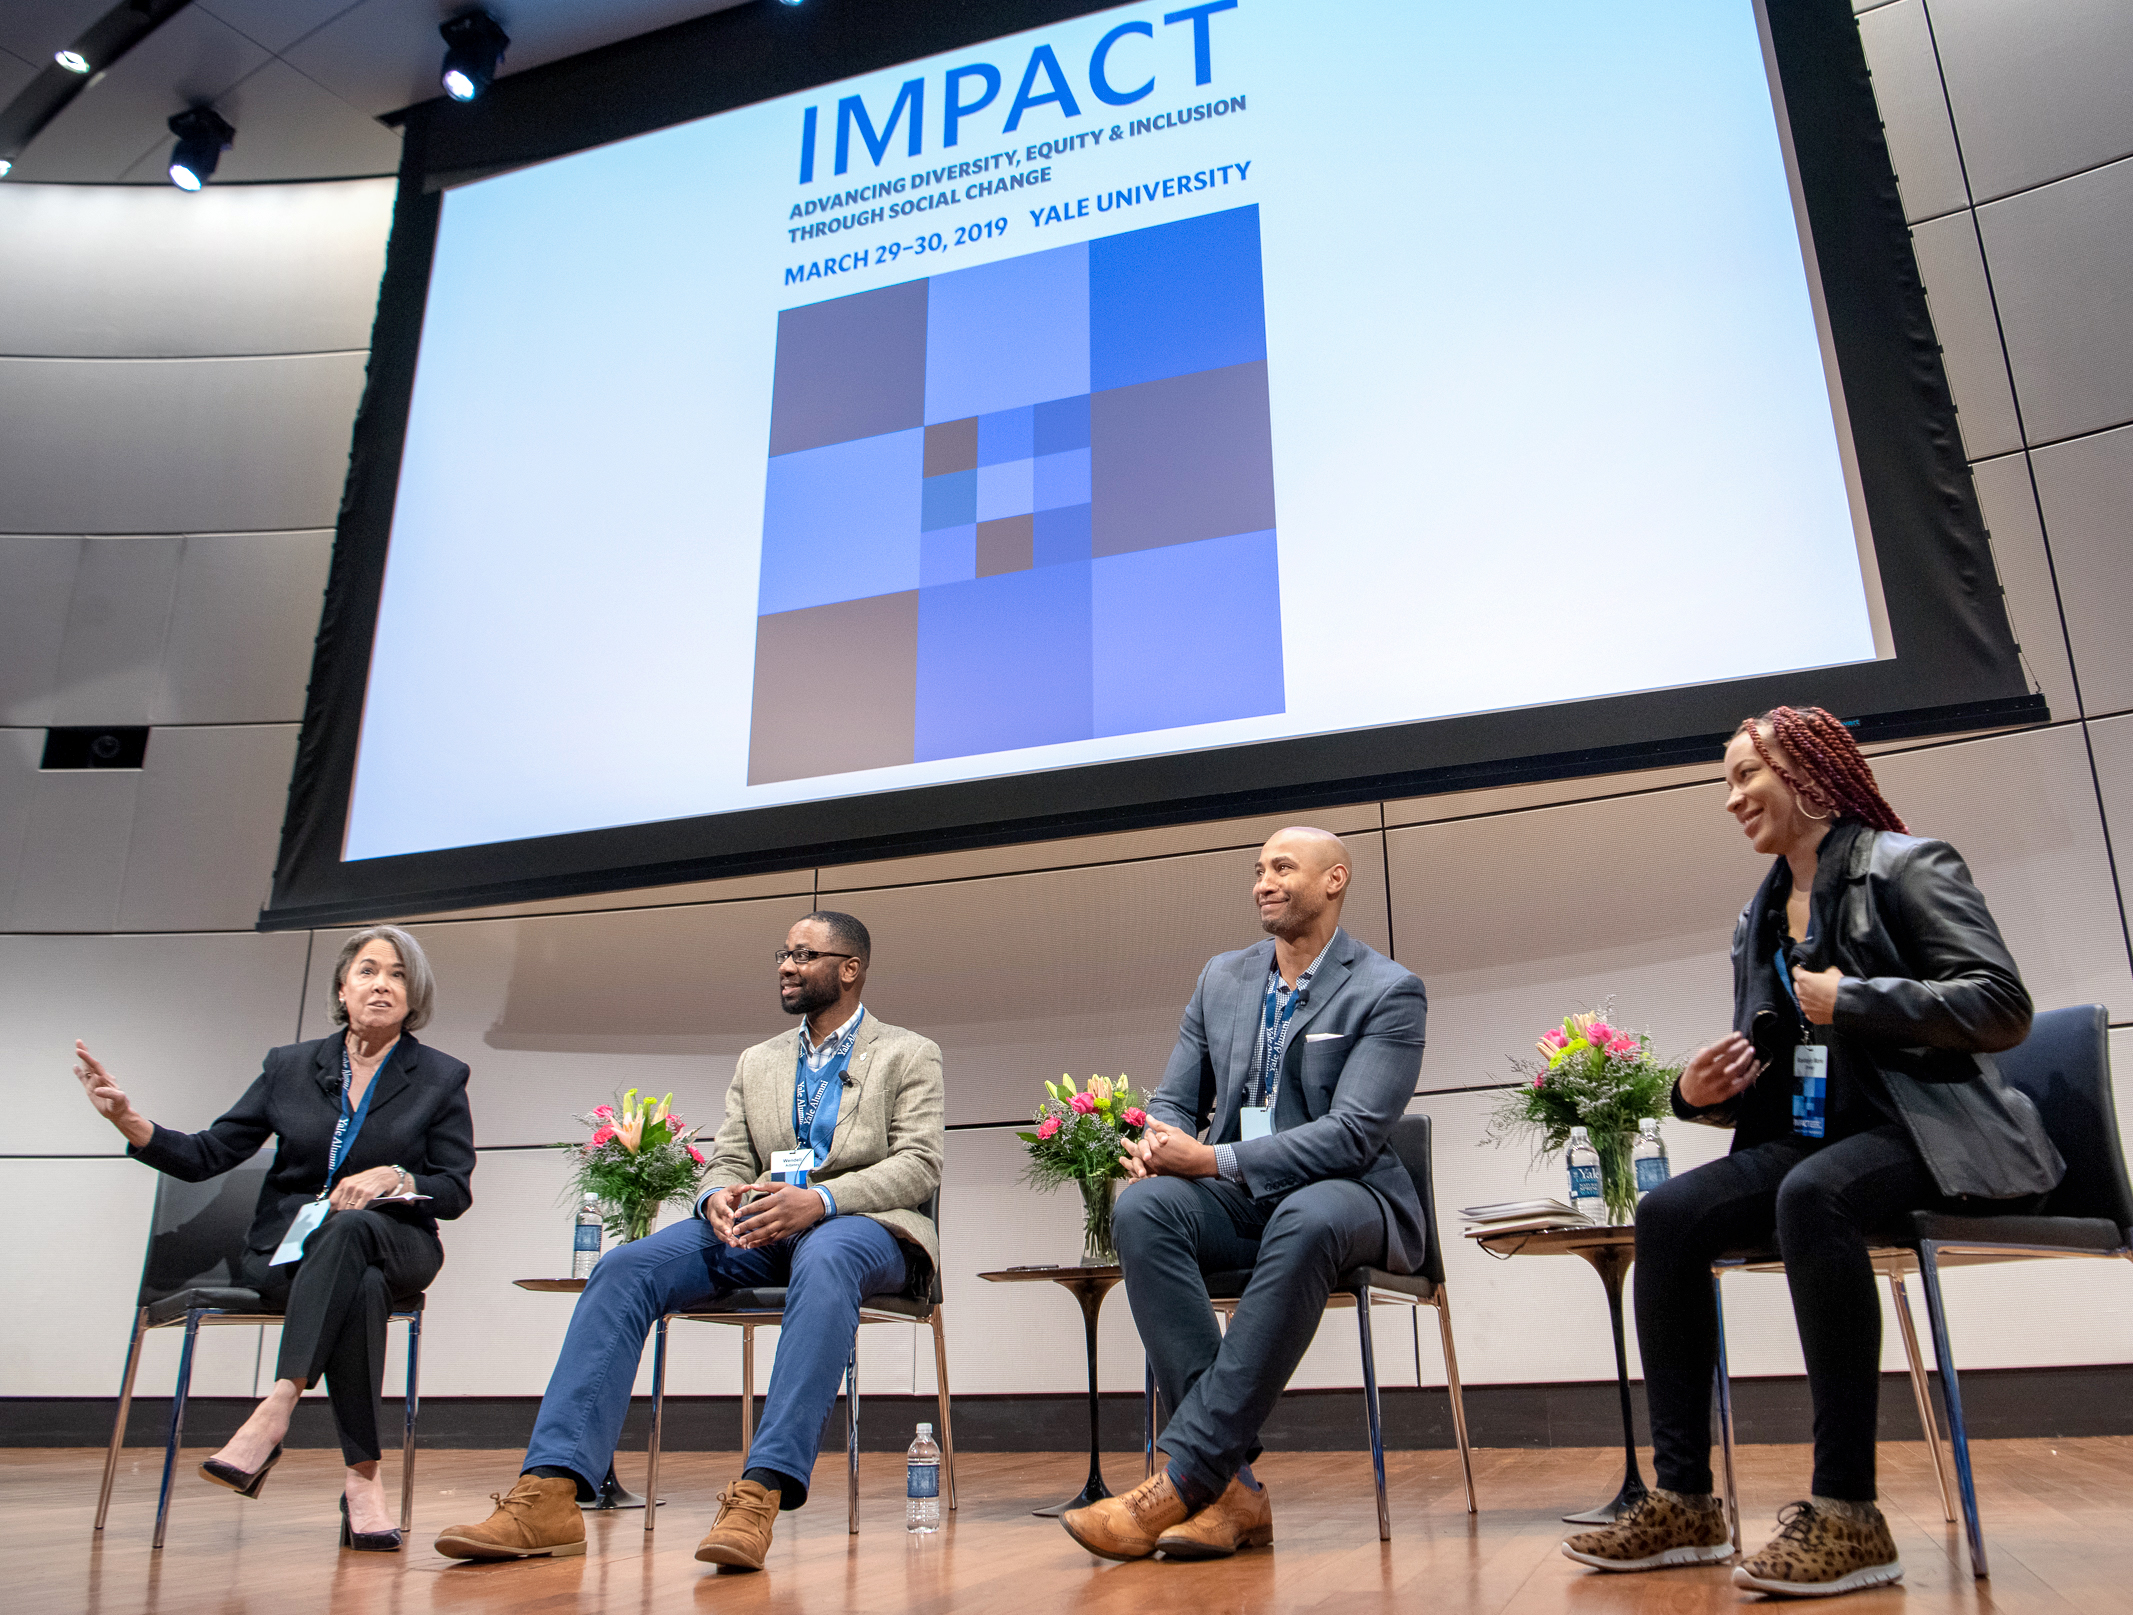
point(1322, 1037)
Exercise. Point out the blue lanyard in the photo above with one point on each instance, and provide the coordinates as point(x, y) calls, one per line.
point(806, 1106)
point(1275, 1039)
point(345, 1130)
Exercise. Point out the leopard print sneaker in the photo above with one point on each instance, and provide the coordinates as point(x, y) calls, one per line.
point(1661, 1529)
point(1818, 1553)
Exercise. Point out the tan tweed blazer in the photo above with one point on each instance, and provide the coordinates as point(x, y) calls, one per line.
point(885, 1160)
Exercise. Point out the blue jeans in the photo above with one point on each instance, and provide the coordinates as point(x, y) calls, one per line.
point(827, 1270)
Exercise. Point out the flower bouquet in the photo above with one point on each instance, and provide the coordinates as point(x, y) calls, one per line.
point(640, 1157)
point(1592, 1074)
point(1078, 1139)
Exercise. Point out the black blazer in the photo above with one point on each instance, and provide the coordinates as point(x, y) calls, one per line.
point(1930, 995)
point(418, 1120)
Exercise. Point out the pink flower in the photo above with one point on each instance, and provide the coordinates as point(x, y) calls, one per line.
point(605, 1112)
point(604, 1136)
point(1541, 1081)
point(1136, 1117)
point(1622, 1043)
point(696, 1155)
point(1083, 1105)
point(1600, 1032)
point(1049, 1126)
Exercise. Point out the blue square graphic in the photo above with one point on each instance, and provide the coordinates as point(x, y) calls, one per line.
point(842, 522)
point(1004, 662)
point(947, 555)
point(1183, 634)
point(1007, 334)
point(950, 501)
point(1101, 560)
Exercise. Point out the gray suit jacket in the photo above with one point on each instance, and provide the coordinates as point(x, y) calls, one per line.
point(1354, 1052)
point(885, 1158)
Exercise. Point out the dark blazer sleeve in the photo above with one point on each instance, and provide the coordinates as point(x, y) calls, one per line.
point(447, 1166)
point(1185, 1098)
point(231, 1140)
point(1968, 994)
point(1377, 1079)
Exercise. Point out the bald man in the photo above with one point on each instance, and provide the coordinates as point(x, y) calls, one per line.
point(1296, 1056)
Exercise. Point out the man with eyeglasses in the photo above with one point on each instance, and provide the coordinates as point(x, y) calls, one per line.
point(830, 1150)
point(1296, 1055)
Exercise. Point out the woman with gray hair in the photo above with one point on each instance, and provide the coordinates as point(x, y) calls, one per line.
point(373, 1143)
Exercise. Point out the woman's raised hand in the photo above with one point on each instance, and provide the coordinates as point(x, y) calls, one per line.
point(1718, 1071)
point(108, 1097)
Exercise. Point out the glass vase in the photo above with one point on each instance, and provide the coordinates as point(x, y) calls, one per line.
point(637, 1218)
point(1099, 1196)
point(1618, 1175)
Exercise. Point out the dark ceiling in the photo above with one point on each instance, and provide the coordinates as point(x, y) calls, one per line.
point(304, 81)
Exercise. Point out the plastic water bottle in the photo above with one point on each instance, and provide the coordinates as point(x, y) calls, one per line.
point(1648, 1157)
point(1585, 1196)
point(585, 1247)
point(922, 1484)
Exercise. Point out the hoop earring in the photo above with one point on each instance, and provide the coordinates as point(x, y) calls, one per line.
point(1820, 818)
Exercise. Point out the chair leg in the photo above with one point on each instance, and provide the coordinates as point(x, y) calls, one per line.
point(118, 1428)
point(947, 1412)
point(413, 1403)
point(1958, 1435)
point(659, 1404)
point(1724, 1383)
point(747, 1391)
point(851, 1431)
point(177, 1421)
point(1922, 1391)
point(1370, 1405)
point(1148, 1419)
point(1451, 1382)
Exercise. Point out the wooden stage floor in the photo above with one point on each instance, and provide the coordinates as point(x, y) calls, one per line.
point(2055, 1517)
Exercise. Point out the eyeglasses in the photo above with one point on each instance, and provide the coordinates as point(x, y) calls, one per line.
point(807, 956)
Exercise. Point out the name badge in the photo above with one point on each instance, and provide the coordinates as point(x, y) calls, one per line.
point(1257, 1121)
point(1810, 1090)
point(787, 1163)
point(292, 1243)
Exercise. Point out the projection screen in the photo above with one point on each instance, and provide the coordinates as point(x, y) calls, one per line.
point(1152, 412)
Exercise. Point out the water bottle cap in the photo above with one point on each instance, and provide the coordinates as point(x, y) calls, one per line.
point(925, 1429)
point(1579, 1132)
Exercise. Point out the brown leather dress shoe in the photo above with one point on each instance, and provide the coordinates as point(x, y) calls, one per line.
point(1239, 1518)
point(740, 1537)
point(540, 1516)
point(1127, 1527)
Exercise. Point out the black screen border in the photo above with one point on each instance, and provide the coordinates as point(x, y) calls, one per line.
point(1957, 666)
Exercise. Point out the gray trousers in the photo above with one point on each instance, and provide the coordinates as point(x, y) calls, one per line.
point(1220, 1388)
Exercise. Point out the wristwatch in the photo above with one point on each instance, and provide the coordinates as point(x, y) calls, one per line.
point(406, 1185)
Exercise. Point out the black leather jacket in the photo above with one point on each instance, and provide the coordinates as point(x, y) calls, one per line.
point(1929, 995)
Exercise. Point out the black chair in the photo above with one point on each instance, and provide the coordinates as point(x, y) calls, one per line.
point(196, 1235)
point(1361, 1288)
point(2065, 1068)
point(751, 1310)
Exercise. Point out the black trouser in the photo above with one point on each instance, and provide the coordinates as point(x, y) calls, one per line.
point(1220, 1388)
point(1822, 1204)
point(335, 1301)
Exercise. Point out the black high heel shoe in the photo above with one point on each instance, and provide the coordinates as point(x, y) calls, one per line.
point(237, 1480)
point(367, 1541)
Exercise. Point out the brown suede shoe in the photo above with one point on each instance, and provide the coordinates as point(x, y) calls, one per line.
point(740, 1537)
point(1128, 1527)
point(1239, 1518)
point(539, 1516)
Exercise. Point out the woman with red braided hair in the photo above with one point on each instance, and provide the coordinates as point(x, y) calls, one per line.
point(1870, 992)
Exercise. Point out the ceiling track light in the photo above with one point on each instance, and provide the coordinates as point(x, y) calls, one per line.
point(203, 136)
point(474, 49)
point(72, 60)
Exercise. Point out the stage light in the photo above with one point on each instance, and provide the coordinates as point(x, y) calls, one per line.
point(474, 50)
point(6, 168)
point(72, 60)
point(203, 136)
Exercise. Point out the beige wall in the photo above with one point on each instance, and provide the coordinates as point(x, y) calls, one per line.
point(177, 379)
